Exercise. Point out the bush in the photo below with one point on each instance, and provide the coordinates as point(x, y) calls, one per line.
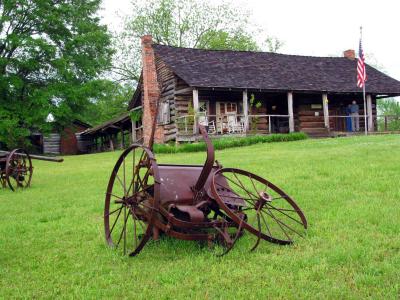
point(229, 142)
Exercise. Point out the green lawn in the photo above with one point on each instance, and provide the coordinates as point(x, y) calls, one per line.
point(52, 242)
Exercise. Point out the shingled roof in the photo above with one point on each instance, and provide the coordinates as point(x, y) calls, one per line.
point(271, 71)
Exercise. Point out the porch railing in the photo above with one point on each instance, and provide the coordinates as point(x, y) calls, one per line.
point(379, 123)
point(233, 124)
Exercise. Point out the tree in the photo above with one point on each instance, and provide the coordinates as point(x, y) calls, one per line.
point(111, 101)
point(388, 109)
point(51, 55)
point(184, 23)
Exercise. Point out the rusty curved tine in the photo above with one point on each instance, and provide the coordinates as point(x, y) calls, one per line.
point(259, 234)
point(259, 230)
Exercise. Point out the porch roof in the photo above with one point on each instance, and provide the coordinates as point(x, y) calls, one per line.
point(271, 71)
point(112, 125)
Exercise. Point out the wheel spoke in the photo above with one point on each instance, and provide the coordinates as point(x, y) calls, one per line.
point(239, 186)
point(114, 211)
point(266, 225)
point(124, 228)
point(234, 174)
point(114, 196)
point(115, 222)
point(279, 223)
point(120, 181)
point(279, 210)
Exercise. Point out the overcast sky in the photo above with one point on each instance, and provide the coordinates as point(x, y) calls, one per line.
point(317, 28)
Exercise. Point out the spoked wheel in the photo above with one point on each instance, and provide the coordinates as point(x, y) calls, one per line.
point(18, 169)
point(131, 200)
point(266, 211)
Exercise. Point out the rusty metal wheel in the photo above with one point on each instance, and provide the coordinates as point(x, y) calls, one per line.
point(132, 198)
point(267, 211)
point(18, 169)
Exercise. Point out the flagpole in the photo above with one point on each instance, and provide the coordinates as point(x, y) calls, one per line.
point(365, 111)
point(365, 106)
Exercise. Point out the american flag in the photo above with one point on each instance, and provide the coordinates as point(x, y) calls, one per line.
point(361, 73)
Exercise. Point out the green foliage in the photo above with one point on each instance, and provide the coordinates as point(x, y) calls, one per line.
point(136, 115)
point(110, 100)
point(223, 40)
point(50, 54)
point(184, 23)
point(389, 108)
point(229, 142)
point(254, 103)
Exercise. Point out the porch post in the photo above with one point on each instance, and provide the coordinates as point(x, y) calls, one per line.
point(195, 108)
point(369, 113)
point(133, 131)
point(326, 110)
point(245, 110)
point(122, 139)
point(290, 111)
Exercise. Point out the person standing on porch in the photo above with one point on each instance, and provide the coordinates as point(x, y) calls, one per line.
point(355, 117)
point(349, 126)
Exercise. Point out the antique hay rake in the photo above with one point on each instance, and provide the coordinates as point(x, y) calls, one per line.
point(194, 202)
point(16, 168)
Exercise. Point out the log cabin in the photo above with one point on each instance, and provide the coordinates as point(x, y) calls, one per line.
point(244, 92)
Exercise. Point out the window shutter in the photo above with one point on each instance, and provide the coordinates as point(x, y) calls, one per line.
point(164, 113)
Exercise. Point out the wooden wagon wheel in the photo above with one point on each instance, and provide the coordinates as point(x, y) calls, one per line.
point(269, 213)
point(131, 200)
point(18, 169)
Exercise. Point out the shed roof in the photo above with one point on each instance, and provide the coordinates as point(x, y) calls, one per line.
point(271, 71)
point(113, 125)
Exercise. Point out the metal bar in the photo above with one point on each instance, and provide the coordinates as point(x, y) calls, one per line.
point(38, 157)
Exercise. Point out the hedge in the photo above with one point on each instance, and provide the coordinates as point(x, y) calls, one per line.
point(229, 142)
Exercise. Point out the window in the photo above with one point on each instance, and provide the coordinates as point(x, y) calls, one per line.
point(203, 107)
point(231, 107)
point(163, 113)
point(228, 108)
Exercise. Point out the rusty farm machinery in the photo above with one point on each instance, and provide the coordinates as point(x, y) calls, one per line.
point(211, 203)
point(16, 168)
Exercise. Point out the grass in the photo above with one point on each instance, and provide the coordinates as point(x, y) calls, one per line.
point(52, 243)
point(230, 142)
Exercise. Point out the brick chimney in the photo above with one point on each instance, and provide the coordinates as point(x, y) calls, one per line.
point(350, 54)
point(151, 91)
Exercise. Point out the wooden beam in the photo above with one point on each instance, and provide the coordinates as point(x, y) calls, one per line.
point(290, 111)
point(326, 109)
point(122, 139)
point(369, 113)
point(245, 110)
point(195, 108)
point(133, 131)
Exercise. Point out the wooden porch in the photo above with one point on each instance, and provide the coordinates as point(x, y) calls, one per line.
point(265, 112)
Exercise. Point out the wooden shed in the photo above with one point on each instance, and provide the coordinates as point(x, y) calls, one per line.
point(63, 142)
